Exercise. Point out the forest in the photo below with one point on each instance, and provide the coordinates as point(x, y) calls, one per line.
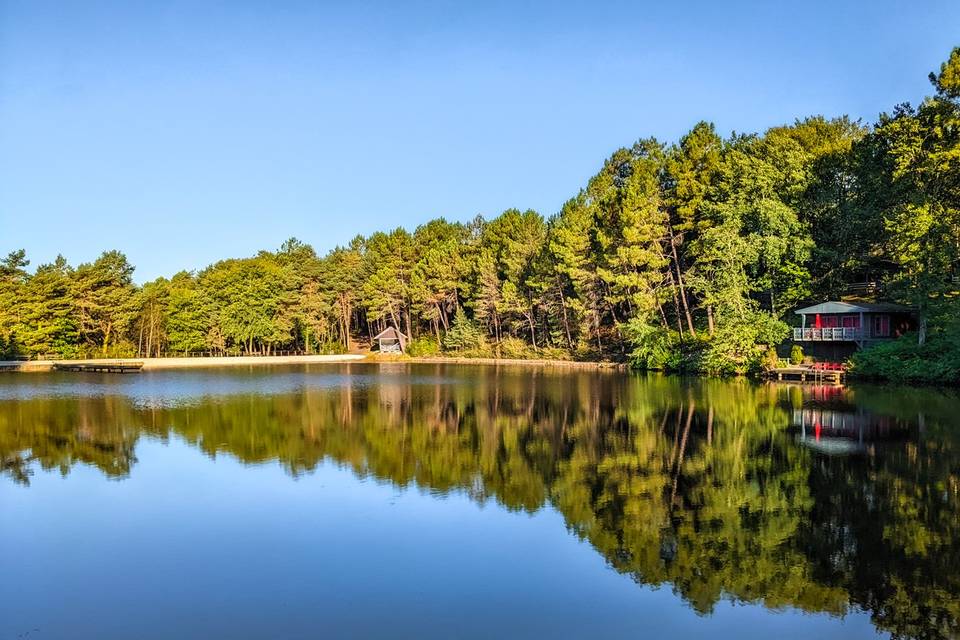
point(686, 256)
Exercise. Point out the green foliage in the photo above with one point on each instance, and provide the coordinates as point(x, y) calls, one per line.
point(937, 361)
point(770, 360)
point(328, 347)
point(516, 349)
point(738, 347)
point(654, 347)
point(699, 486)
point(423, 347)
point(683, 256)
point(554, 353)
point(796, 354)
point(464, 335)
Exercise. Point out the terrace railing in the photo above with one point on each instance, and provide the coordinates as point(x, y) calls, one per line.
point(827, 334)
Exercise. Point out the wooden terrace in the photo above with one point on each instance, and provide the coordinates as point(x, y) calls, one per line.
point(817, 373)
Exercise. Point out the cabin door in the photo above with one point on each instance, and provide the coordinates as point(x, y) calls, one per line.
point(881, 326)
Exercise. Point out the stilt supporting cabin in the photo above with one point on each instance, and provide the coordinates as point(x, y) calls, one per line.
point(390, 340)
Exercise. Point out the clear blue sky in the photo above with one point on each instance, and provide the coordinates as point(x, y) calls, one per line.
point(186, 132)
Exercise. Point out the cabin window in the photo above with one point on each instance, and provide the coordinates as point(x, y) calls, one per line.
point(881, 326)
point(830, 322)
point(851, 322)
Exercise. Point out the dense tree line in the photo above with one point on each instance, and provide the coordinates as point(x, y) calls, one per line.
point(685, 256)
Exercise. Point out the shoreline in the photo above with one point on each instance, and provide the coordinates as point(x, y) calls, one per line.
point(567, 364)
point(157, 364)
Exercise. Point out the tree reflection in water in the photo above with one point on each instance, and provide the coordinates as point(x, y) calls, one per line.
point(787, 496)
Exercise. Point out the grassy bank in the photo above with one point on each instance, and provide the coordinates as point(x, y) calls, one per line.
point(535, 362)
point(937, 361)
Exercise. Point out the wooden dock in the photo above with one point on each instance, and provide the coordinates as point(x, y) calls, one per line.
point(100, 366)
point(808, 374)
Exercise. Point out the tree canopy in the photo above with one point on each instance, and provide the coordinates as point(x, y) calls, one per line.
point(687, 255)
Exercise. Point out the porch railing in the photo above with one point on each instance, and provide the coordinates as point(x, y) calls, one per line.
point(827, 334)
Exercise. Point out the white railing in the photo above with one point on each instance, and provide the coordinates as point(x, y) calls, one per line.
point(832, 334)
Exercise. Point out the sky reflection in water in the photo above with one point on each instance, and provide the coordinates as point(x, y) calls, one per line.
point(440, 501)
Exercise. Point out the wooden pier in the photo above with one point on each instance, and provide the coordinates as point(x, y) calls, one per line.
point(808, 374)
point(100, 366)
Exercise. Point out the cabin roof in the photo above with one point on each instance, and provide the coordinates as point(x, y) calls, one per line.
point(390, 333)
point(833, 306)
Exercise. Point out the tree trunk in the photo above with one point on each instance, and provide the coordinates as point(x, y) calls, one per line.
point(663, 316)
point(566, 323)
point(596, 326)
point(106, 338)
point(443, 315)
point(395, 318)
point(533, 335)
point(710, 319)
point(683, 291)
point(150, 335)
point(676, 304)
point(683, 297)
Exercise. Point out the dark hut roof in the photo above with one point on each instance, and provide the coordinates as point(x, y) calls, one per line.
point(390, 333)
point(848, 307)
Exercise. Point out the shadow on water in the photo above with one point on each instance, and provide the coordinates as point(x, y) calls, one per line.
point(820, 499)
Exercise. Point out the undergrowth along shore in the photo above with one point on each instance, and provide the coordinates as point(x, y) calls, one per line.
point(936, 362)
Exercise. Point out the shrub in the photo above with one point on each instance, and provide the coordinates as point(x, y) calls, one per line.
point(771, 360)
point(554, 353)
point(516, 349)
point(653, 346)
point(903, 360)
point(739, 347)
point(483, 351)
point(463, 335)
point(796, 354)
point(330, 347)
point(423, 347)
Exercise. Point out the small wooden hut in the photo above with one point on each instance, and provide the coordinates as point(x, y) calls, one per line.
point(390, 340)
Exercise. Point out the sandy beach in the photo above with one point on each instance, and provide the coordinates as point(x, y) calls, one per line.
point(151, 364)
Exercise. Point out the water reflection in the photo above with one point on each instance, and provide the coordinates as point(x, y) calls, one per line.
point(811, 498)
point(842, 428)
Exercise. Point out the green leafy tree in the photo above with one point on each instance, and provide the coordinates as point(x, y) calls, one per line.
point(105, 302)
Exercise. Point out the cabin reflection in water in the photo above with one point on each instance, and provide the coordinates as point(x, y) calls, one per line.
point(844, 430)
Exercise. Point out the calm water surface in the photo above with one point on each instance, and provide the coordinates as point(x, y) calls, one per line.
point(454, 502)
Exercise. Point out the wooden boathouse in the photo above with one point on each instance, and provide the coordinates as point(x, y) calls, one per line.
point(391, 340)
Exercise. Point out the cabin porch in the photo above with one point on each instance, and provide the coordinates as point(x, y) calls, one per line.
point(847, 322)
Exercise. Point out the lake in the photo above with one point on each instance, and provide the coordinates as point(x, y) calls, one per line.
point(439, 501)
